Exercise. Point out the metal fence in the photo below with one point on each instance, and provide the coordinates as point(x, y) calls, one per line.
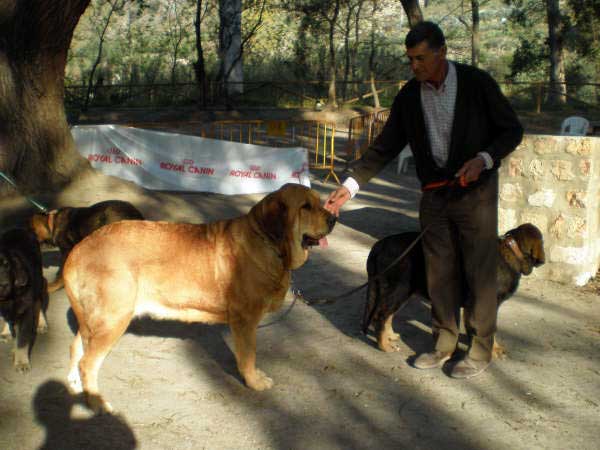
point(362, 131)
point(532, 96)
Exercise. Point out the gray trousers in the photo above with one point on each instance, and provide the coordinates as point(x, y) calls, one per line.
point(461, 254)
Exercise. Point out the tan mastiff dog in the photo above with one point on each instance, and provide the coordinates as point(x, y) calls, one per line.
point(231, 271)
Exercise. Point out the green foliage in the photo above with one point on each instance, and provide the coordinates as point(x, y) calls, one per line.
point(529, 58)
point(153, 41)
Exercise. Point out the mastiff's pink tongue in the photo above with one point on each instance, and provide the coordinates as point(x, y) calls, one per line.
point(323, 242)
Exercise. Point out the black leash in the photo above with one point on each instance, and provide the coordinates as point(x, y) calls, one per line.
point(10, 181)
point(325, 301)
point(297, 295)
point(459, 182)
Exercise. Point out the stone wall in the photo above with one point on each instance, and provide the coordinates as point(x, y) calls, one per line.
point(554, 183)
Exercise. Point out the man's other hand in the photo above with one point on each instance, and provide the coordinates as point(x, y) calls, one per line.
point(471, 169)
point(336, 200)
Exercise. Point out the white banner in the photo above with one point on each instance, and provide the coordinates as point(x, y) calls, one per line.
point(169, 161)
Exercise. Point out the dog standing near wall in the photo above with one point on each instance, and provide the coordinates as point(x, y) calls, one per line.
point(519, 251)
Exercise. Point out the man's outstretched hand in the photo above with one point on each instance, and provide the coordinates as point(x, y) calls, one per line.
point(336, 200)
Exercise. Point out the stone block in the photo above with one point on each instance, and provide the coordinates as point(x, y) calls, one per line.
point(562, 170)
point(544, 197)
point(576, 226)
point(511, 192)
point(585, 167)
point(536, 169)
point(539, 220)
point(570, 255)
point(578, 146)
point(507, 219)
point(515, 167)
point(576, 199)
point(545, 145)
point(557, 227)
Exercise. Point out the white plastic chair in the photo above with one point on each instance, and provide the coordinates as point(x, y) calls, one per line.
point(574, 126)
point(403, 159)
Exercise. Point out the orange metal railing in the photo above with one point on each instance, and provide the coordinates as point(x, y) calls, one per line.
point(363, 130)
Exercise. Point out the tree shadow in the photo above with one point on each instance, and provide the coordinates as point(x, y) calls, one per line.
point(53, 405)
point(382, 222)
point(207, 337)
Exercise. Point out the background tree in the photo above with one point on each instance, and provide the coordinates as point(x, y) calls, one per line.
point(413, 11)
point(199, 64)
point(472, 27)
point(538, 50)
point(230, 46)
point(178, 20)
point(584, 39)
point(102, 12)
point(558, 87)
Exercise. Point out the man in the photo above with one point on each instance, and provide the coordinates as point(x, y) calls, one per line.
point(459, 126)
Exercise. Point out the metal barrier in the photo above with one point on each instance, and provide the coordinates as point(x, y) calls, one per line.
point(316, 136)
point(363, 130)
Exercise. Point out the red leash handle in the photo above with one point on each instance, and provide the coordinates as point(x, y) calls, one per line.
point(461, 181)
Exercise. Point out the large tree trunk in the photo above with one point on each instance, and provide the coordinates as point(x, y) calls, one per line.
point(36, 146)
point(413, 11)
point(230, 45)
point(558, 87)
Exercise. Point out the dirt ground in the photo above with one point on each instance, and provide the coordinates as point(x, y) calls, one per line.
point(175, 386)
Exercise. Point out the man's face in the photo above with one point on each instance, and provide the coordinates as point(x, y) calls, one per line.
point(427, 64)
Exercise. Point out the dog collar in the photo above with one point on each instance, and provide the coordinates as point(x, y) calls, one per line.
point(510, 242)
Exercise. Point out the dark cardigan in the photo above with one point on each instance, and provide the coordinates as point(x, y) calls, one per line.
point(483, 121)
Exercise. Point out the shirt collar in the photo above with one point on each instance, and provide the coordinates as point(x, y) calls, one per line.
point(450, 78)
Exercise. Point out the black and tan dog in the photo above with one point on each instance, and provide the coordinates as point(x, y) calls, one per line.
point(519, 251)
point(65, 227)
point(23, 296)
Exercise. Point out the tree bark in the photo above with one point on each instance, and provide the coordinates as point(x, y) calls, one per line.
point(413, 12)
point(331, 94)
point(36, 146)
point(347, 31)
point(372, 64)
point(475, 38)
point(558, 87)
point(90, 84)
point(230, 45)
point(199, 68)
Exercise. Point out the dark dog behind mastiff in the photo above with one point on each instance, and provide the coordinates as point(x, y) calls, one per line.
point(65, 227)
point(23, 296)
point(519, 251)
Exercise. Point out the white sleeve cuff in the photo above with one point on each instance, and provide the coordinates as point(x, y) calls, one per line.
point(352, 186)
point(487, 159)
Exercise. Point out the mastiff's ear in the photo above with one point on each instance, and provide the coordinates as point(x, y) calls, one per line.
point(537, 252)
point(531, 243)
point(19, 271)
point(40, 223)
point(271, 216)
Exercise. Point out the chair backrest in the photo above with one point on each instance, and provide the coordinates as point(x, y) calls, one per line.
point(574, 126)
